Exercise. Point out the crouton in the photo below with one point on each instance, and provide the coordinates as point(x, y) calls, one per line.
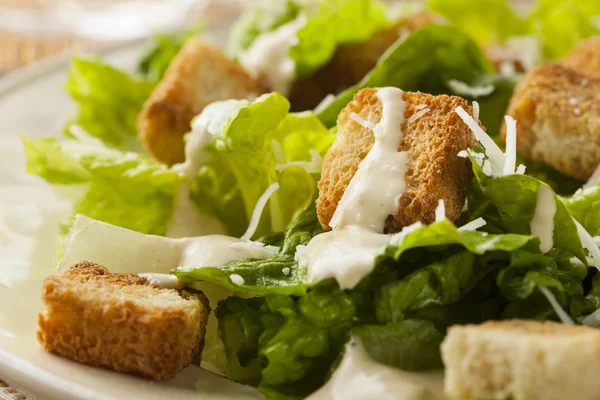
point(199, 75)
point(585, 58)
point(351, 62)
point(558, 119)
point(121, 322)
point(522, 360)
point(433, 141)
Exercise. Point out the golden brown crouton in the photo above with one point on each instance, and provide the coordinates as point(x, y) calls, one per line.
point(585, 58)
point(351, 62)
point(522, 360)
point(433, 141)
point(121, 322)
point(558, 119)
point(199, 75)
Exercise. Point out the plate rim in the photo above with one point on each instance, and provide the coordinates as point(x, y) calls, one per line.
point(15, 79)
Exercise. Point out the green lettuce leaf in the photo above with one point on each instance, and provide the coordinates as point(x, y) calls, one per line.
point(126, 189)
point(519, 283)
point(411, 344)
point(260, 17)
point(300, 338)
point(425, 60)
point(489, 21)
point(278, 274)
point(240, 327)
point(508, 203)
point(160, 51)
point(260, 144)
point(561, 24)
point(329, 24)
point(558, 24)
point(108, 102)
point(584, 206)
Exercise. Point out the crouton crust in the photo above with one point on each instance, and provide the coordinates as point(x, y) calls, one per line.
point(432, 142)
point(199, 75)
point(585, 58)
point(558, 119)
point(522, 360)
point(352, 61)
point(121, 322)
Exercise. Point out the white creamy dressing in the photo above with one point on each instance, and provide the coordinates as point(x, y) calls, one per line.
point(124, 250)
point(542, 223)
point(269, 56)
point(166, 281)
point(359, 377)
point(217, 250)
point(348, 252)
point(187, 220)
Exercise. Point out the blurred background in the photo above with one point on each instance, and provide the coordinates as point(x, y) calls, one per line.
point(31, 30)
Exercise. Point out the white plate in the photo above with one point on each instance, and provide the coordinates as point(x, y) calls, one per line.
point(33, 102)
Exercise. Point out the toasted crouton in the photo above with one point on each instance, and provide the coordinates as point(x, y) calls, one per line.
point(558, 119)
point(585, 58)
point(199, 75)
point(121, 322)
point(351, 62)
point(433, 141)
point(522, 360)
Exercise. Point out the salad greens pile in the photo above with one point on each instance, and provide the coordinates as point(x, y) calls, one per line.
point(558, 24)
point(287, 335)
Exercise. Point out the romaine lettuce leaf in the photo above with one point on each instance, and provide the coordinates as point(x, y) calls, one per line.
point(259, 144)
point(329, 24)
point(484, 21)
point(261, 16)
point(300, 337)
point(411, 344)
point(108, 102)
point(519, 283)
point(425, 60)
point(278, 274)
point(126, 189)
point(584, 206)
point(558, 24)
point(508, 203)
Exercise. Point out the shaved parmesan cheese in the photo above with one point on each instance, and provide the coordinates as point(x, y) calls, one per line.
point(560, 312)
point(440, 211)
point(492, 150)
point(473, 225)
point(361, 121)
point(463, 154)
point(487, 246)
point(463, 89)
point(594, 179)
point(510, 156)
point(475, 110)
point(542, 223)
point(587, 241)
point(521, 169)
point(418, 114)
point(258, 210)
point(420, 107)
